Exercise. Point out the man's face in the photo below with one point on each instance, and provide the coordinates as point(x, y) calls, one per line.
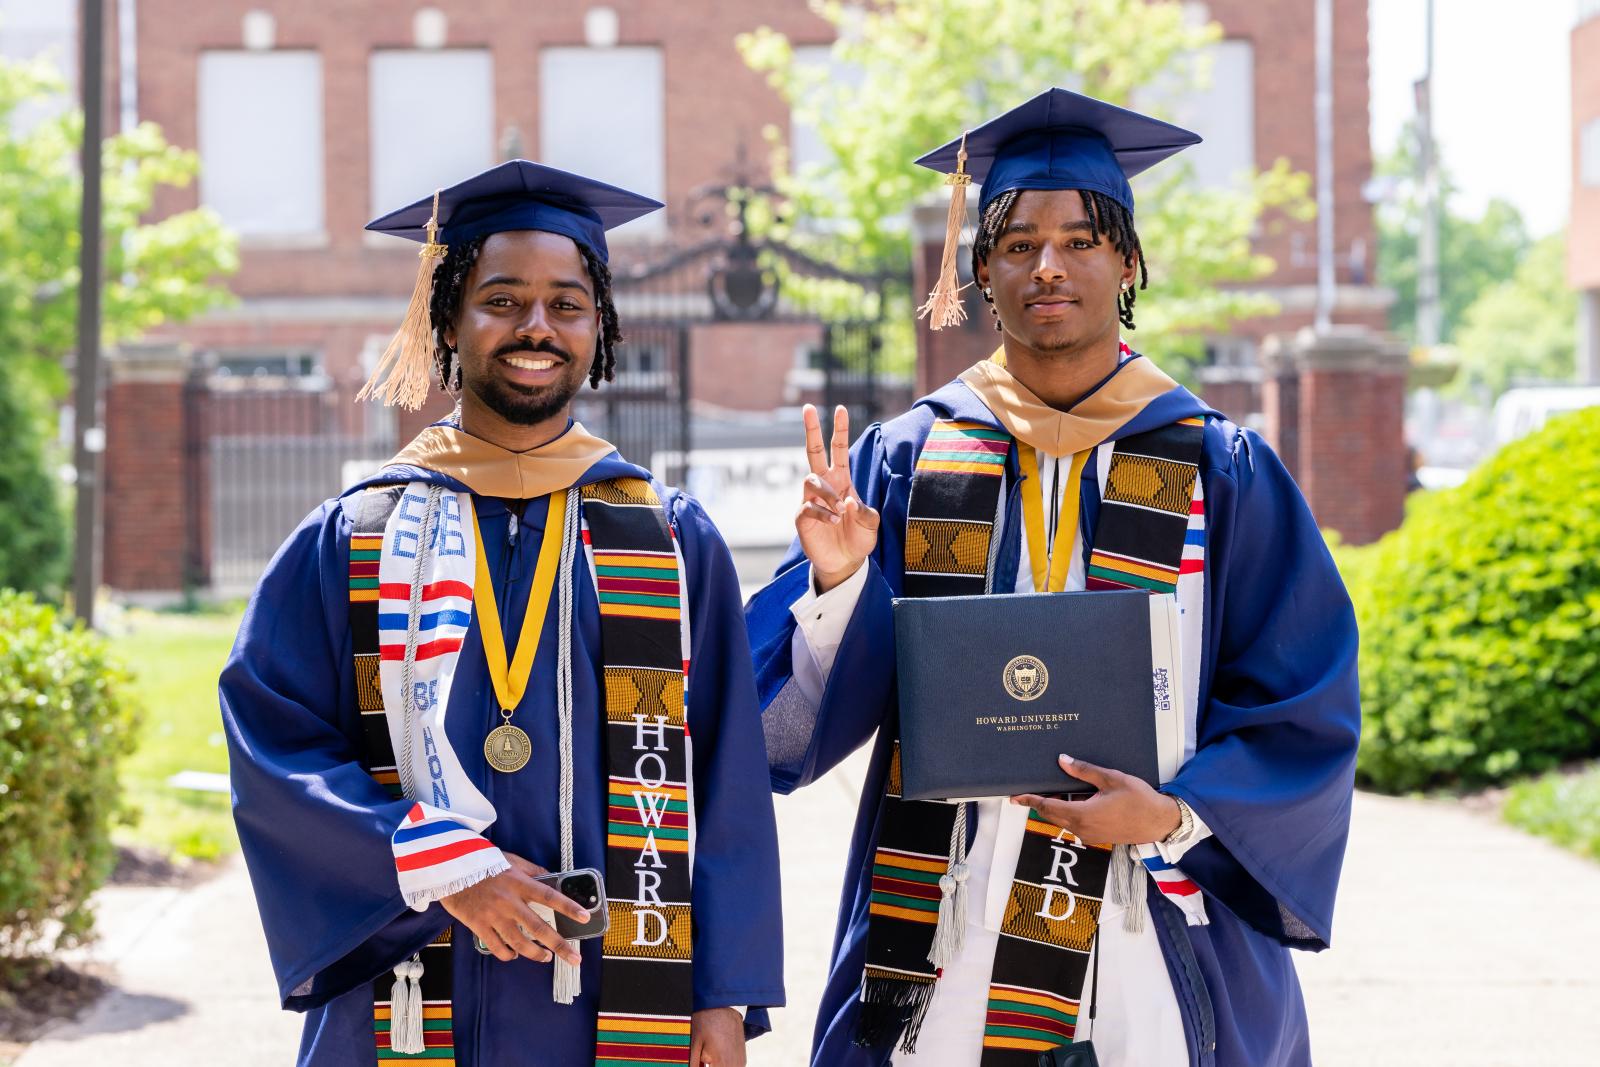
point(528, 325)
point(1054, 287)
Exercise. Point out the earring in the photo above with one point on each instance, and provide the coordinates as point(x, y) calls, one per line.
point(1125, 286)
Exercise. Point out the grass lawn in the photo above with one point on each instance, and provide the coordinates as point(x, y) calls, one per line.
point(176, 660)
point(1563, 806)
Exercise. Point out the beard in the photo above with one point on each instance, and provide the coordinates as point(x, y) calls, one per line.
point(523, 406)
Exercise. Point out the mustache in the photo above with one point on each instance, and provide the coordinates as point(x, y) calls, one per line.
point(547, 346)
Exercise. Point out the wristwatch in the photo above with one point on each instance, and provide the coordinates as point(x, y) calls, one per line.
point(1185, 829)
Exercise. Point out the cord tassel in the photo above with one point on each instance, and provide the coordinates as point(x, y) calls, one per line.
point(944, 306)
point(947, 936)
point(405, 1008)
point(402, 375)
point(567, 979)
point(1127, 880)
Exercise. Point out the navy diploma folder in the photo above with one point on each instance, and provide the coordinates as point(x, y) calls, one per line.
point(993, 688)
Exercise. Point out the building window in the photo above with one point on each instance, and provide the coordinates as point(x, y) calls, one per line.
point(258, 364)
point(602, 113)
point(1217, 101)
point(1589, 153)
point(450, 94)
point(260, 133)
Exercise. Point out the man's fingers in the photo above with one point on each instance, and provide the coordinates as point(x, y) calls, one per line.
point(527, 867)
point(841, 437)
point(1099, 777)
point(816, 488)
point(517, 933)
point(495, 944)
point(811, 511)
point(864, 516)
point(553, 898)
point(815, 453)
point(1051, 810)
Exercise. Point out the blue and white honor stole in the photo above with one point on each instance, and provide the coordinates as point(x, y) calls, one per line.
point(426, 572)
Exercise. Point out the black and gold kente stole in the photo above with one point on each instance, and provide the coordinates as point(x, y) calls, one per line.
point(646, 996)
point(1052, 912)
point(369, 513)
point(646, 991)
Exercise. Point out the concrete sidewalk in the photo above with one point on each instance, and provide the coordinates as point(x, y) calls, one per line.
point(1459, 941)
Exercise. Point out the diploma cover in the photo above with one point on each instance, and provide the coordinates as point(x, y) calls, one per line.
point(993, 688)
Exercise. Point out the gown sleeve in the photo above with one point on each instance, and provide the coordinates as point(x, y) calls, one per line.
point(738, 911)
point(1274, 767)
point(807, 738)
point(314, 826)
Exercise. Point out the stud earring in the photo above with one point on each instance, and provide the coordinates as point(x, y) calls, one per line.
point(1125, 286)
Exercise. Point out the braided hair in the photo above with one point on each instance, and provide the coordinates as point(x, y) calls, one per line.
point(1105, 216)
point(450, 285)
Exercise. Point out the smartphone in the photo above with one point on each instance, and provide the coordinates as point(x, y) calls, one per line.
point(588, 888)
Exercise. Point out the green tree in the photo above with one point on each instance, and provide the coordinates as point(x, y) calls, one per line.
point(156, 272)
point(1524, 327)
point(923, 70)
point(1474, 253)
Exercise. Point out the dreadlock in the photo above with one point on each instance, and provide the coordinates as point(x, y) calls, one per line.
point(1105, 216)
point(449, 287)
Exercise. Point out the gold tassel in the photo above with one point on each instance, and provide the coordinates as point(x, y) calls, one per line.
point(944, 302)
point(407, 363)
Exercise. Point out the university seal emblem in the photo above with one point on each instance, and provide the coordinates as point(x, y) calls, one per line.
point(1026, 678)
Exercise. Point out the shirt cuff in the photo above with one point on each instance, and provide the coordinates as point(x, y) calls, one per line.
point(1174, 852)
point(824, 617)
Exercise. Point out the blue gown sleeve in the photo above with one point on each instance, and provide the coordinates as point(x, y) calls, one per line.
point(1274, 767)
point(738, 910)
point(313, 825)
point(806, 741)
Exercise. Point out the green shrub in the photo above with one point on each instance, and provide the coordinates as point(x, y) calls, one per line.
point(33, 535)
point(1563, 807)
point(1480, 620)
point(66, 722)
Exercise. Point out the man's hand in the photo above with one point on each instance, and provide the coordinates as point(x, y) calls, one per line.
point(837, 531)
point(716, 1036)
point(499, 911)
point(1125, 811)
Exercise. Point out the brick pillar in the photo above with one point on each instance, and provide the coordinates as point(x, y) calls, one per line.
point(943, 354)
point(1233, 390)
point(1280, 400)
point(1341, 401)
point(146, 534)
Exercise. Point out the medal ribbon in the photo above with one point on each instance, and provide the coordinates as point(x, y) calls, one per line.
point(1050, 569)
point(509, 685)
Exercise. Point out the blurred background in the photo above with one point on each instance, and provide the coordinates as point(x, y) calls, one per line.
point(1385, 257)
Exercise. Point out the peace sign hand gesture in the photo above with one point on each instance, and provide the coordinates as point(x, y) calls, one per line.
point(837, 531)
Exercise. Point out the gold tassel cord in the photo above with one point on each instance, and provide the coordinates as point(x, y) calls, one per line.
point(944, 302)
point(406, 366)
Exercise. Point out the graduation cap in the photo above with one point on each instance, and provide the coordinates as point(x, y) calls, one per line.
point(516, 195)
point(1057, 140)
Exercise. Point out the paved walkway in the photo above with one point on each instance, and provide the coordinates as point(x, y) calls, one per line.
point(1459, 941)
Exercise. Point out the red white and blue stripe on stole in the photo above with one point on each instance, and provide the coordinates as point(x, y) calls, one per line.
point(432, 849)
point(1176, 887)
point(446, 613)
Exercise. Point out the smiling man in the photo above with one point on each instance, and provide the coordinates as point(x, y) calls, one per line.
point(486, 663)
point(1068, 461)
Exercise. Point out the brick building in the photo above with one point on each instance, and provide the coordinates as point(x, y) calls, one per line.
point(310, 118)
point(1583, 235)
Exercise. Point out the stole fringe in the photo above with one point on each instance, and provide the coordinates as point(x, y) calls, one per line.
point(405, 1009)
point(890, 1006)
point(421, 898)
point(944, 306)
point(403, 375)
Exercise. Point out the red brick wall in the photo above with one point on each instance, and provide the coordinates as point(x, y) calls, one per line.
point(745, 366)
point(1353, 467)
point(1583, 242)
point(146, 526)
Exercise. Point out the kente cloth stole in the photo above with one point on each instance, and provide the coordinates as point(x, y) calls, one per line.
point(1051, 917)
point(646, 991)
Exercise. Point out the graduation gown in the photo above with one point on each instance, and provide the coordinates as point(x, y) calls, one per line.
point(1278, 724)
point(315, 827)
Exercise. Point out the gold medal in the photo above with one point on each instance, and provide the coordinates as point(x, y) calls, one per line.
point(508, 747)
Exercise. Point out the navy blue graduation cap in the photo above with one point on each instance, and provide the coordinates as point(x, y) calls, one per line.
point(1057, 140)
point(516, 195)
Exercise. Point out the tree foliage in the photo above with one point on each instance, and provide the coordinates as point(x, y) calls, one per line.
point(1523, 329)
point(156, 272)
point(923, 70)
point(1474, 253)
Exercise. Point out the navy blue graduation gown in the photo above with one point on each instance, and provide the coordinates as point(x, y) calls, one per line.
point(315, 827)
point(1278, 724)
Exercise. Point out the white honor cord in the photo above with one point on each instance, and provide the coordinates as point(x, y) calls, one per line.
point(567, 977)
